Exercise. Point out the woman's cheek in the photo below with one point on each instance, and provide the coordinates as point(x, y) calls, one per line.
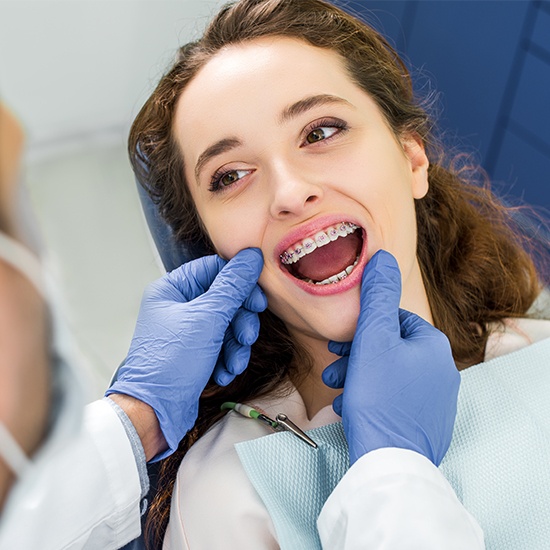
point(229, 242)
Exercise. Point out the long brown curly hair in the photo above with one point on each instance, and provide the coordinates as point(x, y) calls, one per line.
point(475, 262)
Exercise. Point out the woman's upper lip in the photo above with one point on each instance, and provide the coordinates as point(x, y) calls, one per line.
point(309, 229)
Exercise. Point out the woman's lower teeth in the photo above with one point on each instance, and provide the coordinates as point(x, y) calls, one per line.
point(335, 278)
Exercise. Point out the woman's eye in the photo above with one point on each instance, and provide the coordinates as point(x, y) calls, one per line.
point(231, 177)
point(226, 179)
point(321, 133)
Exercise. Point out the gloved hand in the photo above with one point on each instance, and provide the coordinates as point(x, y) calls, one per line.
point(197, 320)
point(399, 378)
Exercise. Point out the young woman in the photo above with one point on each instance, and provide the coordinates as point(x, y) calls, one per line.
point(291, 127)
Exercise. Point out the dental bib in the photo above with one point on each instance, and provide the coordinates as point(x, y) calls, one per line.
point(498, 462)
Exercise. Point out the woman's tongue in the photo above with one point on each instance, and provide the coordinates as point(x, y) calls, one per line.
point(328, 260)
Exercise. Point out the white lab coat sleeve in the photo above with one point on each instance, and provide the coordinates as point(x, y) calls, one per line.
point(396, 499)
point(86, 495)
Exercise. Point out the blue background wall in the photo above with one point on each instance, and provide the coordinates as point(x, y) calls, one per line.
point(491, 62)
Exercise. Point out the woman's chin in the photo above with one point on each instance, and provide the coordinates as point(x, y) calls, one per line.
point(343, 335)
point(343, 332)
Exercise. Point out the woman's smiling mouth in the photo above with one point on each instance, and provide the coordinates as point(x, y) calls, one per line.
point(325, 258)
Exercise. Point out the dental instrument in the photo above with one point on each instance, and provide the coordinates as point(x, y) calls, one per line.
point(281, 422)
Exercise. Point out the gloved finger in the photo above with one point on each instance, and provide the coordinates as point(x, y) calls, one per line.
point(195, 278)
point(415, 329)
point(245, 326)
point(378, 321)
point(337, 404)
point(235, 282)
point(334, 375)
point(221, 376)
point(339, 348)
point(235, 355)
point(238, 359)
point(257, 301)
point(413, 326)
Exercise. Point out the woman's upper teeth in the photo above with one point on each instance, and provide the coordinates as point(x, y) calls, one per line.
point(298, 250)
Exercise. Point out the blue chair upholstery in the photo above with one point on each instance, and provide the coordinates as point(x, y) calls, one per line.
point(172, 254)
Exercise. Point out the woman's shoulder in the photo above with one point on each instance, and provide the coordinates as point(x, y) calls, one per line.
point(214, 505)
point(514, 334)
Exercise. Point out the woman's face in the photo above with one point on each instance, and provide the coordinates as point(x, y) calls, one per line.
point(284, 152)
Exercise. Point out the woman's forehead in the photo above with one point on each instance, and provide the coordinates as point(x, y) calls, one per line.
point(261, 78)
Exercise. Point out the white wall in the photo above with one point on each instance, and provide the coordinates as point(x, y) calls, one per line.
point(74, 67)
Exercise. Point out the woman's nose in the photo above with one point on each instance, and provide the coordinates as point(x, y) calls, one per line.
point(293, 192)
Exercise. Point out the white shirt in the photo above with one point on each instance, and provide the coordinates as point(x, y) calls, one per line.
point(408, 502)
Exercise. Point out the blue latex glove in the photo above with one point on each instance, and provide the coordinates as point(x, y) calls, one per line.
point(198, 320)
point(399, 378)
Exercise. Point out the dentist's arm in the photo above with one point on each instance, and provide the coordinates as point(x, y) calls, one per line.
point(398, 409)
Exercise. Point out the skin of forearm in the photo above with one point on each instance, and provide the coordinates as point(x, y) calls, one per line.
point(145, 421)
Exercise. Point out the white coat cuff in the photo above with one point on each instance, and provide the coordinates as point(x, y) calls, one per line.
point(114, 447)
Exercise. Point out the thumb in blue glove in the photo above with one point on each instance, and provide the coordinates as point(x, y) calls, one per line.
point(185, 320)
point(399, 378)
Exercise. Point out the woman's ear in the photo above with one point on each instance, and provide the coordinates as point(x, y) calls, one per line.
point(419, 163)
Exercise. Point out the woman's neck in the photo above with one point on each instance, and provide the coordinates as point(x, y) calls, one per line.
point(315, 394)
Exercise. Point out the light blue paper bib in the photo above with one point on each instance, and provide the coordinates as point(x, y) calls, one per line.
point(498, 462)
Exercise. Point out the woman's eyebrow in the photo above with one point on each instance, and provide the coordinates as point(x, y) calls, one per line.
point(308, 103)
point(215, 149)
